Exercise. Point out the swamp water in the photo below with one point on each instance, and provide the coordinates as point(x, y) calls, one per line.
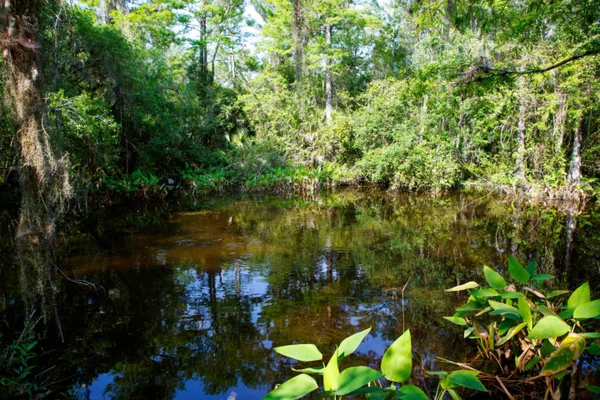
point(191, 307)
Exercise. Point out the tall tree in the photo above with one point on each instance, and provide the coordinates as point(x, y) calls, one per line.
point(44, 178)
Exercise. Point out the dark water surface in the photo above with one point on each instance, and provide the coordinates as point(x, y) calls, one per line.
point(192, 306)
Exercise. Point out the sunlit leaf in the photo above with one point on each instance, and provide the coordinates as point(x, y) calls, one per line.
point(465, 286)
point(351, 343)
point(587, 310)
point(296, 387)
point(549, 327)
point(512, 332)
point(300, 352)
point(411, 392)
point(456, 320)
point(525, 311)
point(354, 378)
point(581, 295)
point(467, 379)
point(590, 335)
point(396, 364)
point(314, 371)
point(555, 293)
point(569, 350)
point(493, 278)
point(516, 270)
point(331, 373)
point(483, 293)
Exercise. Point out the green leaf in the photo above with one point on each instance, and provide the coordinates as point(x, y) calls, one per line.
point(300, 352)
point(511, 333)
point(549, 327)
point(593, 389)
point(546, 311)
point(547, 348)
point(351, 343)
point(516, 270)
point(456, 320)
point(496, 305)
point(555, 293)
point(438, 373)
point(594, 349)
point(525, 311)
point(331, 373)
point(396, 364)
point(354, 378)
point(454, 395)
point(315, 370)
point(580, 295)
point(470, 306)
point(411, 392)
point(532, 363)
point(493, 278)
point(590, 335)
point(465, 286)
point(483, 293)
point(587, 310)
point(510, 295)
point(467, 332)
point(467, 379)
point(542, 277)
point(531, 267)
point(296, 387)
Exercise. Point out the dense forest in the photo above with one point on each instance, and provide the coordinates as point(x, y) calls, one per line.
point(112, 98)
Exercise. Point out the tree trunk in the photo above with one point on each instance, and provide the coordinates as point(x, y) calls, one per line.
point(558, 130)
point(43, 178)
point(298, 39)
point(574, 175)
point(328, 76)
point(519, 173)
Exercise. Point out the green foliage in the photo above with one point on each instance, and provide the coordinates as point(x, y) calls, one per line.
point(527, 324)
point(396, 367)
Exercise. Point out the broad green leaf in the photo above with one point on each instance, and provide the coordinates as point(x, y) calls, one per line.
point(542, 277)
point(580, 295)
point(505, 325)
point(456, 320)
point(354, 378)
point(331, 373)
point(467, 332)
point(446, 383)
point(300, 352)
point(510, 295)
point(396, 364)
point(496, 305)
point(587, 310)
point(531, 267)
point(438, 373)
point(547, 348)
point(549, 327)
point(546, 311)
point(511, 333)
point(525, 311)
point(555, 293)
point(295, 388)
point(532, 363)
point(465, 286)
point(590, 335)
point(516, 270)
point(315, 370)
point(493, 278)
point(566, 314)
point(467, 379)
point(483, 293)
point(594, 349)
point(350, 344)
point(470, 306)
point(411, 392)
point(593, 389)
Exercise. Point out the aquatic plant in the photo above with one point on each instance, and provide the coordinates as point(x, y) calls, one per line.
point(396, 369)
point(527, 332)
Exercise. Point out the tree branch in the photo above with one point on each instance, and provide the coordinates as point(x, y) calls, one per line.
point(500, 73)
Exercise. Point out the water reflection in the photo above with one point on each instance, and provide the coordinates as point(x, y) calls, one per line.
point(192, 307)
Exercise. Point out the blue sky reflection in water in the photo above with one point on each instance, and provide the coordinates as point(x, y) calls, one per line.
point(192, 307)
